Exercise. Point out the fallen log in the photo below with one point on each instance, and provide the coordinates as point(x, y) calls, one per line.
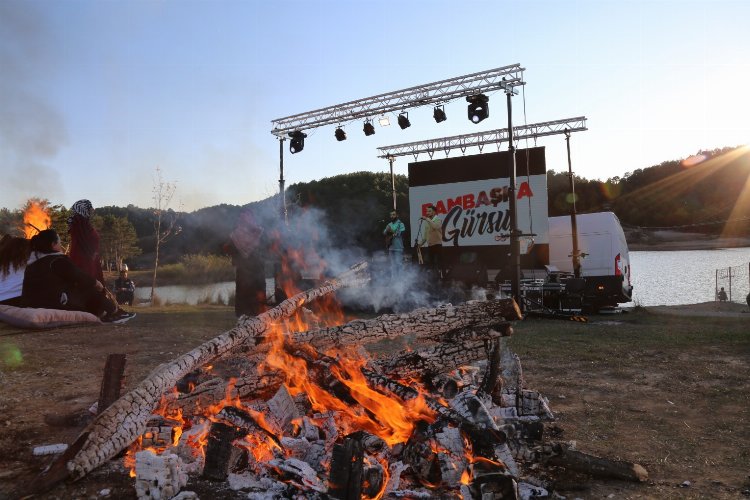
point(119, 425)
point(598, 466)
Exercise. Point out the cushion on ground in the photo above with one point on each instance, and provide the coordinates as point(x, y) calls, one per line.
point(30, 317)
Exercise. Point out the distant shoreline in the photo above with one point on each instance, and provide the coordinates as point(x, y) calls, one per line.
point(716, 244)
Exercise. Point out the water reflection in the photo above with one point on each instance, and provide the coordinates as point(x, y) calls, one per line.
point(213, 293)
point(684, 277)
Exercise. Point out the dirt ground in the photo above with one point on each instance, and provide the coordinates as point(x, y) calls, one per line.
point(665, 387)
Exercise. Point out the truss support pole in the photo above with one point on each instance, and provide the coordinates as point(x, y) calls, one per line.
point(515, 244)
point(282, 193)
point(391, 159)
point(573, 222)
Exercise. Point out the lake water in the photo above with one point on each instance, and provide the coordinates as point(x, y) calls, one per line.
point(686, 276)
point(658, 278)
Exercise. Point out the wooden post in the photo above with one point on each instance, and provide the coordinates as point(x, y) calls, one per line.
point(112, 381)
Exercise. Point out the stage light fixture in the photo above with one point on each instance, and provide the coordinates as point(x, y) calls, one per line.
point(340, 134)
point(297, 142)
point(479, 107)
point(403, 121)
point(369, 128)
point(439, 114)
point(384, 121)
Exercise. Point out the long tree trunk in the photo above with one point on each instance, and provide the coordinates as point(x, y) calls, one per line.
point(156, 259)
point(121, 424)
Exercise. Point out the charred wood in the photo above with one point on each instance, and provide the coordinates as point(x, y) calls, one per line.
point(213, 391)
point(219, 451)
point(492, 372)
point(112, 382)
point(464, 347)
point(424, 323)
point(347, 468)
point(244, 421)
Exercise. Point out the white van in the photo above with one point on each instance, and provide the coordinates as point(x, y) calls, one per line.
point(605, 265)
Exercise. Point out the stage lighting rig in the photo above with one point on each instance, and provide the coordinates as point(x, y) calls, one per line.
point(340, 134)
point(369, 128)
point(439, 114)
point(478, 108)
point(297, 142)
point(403, 121)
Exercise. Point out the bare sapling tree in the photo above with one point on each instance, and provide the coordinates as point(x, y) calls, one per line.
point(165, 219)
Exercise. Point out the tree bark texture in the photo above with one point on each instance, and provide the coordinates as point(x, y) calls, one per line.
point(425, 323)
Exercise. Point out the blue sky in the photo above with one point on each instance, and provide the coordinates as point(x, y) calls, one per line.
point(96, 94)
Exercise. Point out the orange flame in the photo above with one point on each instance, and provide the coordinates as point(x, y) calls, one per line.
point(35, 219)
point(384, 415)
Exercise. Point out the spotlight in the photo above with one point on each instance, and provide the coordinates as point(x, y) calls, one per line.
point(479, 107)
point(369, 128)
point(403, 121)
point(340, 134)
point(384, 121)
point(297, 143)
point(439, 114)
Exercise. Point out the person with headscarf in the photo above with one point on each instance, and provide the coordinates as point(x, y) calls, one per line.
point(250, 277)
point(84, 240)
point(15, 255)
point(52, 281)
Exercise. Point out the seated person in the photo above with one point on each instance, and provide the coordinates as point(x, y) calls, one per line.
point(54, 282)
point(14, 256)
point(723, 295)
point(124, 288)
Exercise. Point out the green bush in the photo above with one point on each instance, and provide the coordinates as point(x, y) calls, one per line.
point(197, 269)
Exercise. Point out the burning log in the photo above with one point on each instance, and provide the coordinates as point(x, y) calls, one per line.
point(478, 321)
point(212, 392)
point(424, 364)
point(121, 424)
point(244, 421)
point(424, 323)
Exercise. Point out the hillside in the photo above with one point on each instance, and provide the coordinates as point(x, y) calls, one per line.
point(694, 202)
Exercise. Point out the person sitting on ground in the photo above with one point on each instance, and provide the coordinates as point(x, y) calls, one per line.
point(15, 253)
point(124, 288)
point(722, 295)
point(54, 282)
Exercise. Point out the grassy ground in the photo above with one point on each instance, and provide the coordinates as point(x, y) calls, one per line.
point(668, 392)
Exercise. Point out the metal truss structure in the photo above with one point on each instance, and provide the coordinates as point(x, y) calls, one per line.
point(481, 139)
point(435, 93)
